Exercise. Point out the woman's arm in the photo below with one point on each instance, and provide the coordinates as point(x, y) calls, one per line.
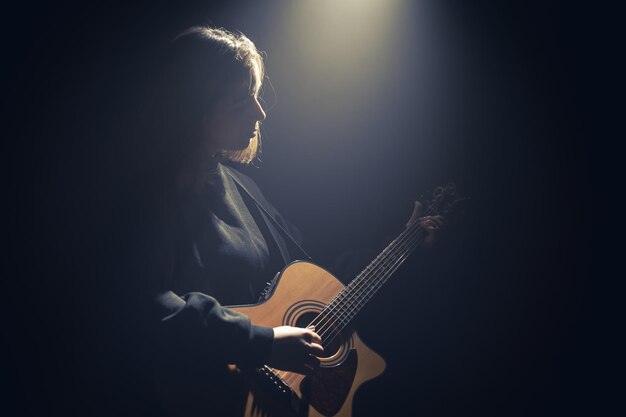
point(196, 324)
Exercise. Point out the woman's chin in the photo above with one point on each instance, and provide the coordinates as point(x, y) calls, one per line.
point(240, 146)
point(236, 144)
point(245, 144)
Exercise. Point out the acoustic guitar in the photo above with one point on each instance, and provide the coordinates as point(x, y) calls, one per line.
point(305, 294)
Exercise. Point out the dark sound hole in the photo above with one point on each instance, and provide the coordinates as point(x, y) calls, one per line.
point(325, 330)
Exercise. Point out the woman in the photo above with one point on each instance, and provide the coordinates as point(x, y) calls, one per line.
point(211, 238)
point(208, 239)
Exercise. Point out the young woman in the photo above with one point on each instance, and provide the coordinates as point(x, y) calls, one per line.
point(210, 244)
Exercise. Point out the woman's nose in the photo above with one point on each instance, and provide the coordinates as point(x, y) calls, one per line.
point(260, 113)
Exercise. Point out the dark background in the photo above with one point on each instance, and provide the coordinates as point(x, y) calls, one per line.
point(493, 97)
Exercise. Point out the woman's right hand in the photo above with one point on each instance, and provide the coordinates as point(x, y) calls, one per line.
point(294, 349)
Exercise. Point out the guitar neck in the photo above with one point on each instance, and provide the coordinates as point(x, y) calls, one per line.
point(347, 304)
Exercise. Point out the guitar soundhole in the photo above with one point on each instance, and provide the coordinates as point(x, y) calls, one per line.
point(327, 332)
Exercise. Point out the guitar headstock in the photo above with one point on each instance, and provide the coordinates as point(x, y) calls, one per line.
point(446, 202)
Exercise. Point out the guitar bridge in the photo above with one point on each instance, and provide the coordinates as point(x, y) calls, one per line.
point(274, 386)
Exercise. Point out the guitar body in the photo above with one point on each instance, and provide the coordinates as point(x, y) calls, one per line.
point(301, 292)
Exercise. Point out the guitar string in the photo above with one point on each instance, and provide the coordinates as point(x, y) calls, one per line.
point(341, 306)
point(359, 300)
point(363, 293)
point(405, 243)
point(329, 311)
point(347, 297)
point(365, 296)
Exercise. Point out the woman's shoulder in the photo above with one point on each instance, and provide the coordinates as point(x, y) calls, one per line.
point(250, 187)
point(244, 181)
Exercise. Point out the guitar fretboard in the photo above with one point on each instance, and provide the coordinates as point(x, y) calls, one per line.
point(346, 305)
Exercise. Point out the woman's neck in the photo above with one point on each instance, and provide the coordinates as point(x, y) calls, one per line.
point(195, 175)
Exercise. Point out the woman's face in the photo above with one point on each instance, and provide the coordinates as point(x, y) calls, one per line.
point(235, 118)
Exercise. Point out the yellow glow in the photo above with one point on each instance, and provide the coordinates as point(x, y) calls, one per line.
point(337, 46)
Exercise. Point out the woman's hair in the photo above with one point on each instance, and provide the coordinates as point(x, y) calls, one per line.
point(193, 72)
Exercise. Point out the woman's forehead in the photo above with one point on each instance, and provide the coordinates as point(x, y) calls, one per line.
point(242, 82)
point(241, 87)
point(254, 79)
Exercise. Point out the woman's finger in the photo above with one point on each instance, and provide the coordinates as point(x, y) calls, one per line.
point(417, 211)
point(428, 223)
point(314, 337)
point(439, 220)
point(310, 336)
point(314, 348)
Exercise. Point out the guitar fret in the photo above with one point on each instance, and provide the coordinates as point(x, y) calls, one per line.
point(340, 312)
point(355, 295)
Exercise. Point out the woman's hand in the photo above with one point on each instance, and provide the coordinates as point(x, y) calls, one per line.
point(433, 225)
point(294, 349)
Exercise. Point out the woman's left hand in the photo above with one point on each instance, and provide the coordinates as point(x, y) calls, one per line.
point(434, 225)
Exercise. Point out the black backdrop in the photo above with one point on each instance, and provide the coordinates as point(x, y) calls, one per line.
point(493, 323)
